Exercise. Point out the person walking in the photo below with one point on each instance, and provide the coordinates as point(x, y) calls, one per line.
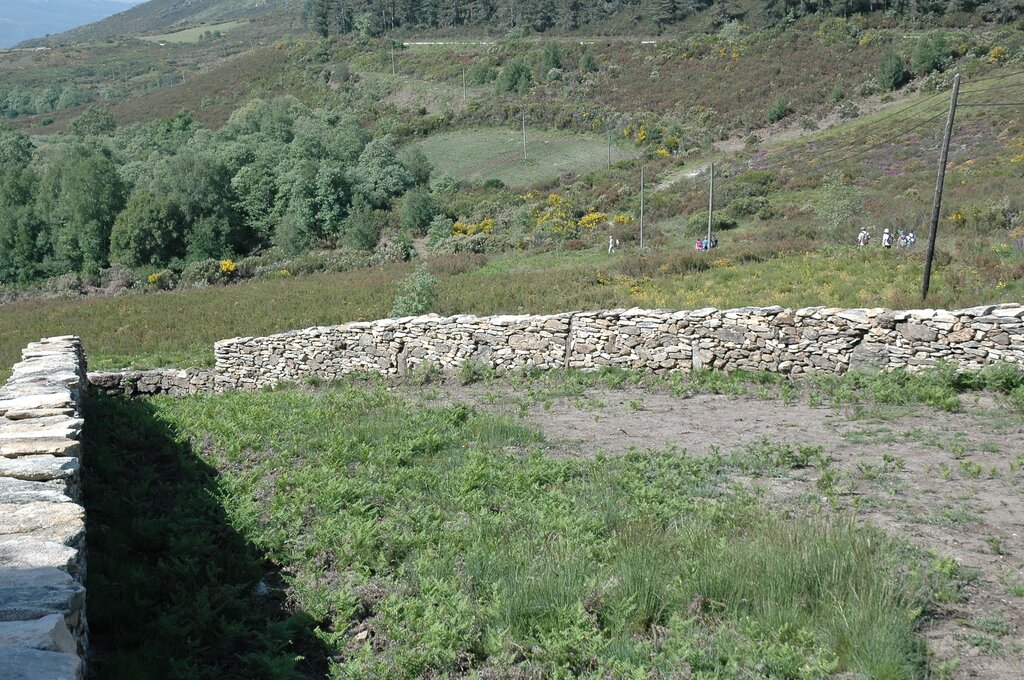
point(887, 238)
point(611, 244)
point(699, 245)
point(862, 238)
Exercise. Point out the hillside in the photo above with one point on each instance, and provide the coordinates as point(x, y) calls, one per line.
point(157, 16)
point(25, 19)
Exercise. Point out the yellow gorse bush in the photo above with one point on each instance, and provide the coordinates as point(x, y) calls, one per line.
point(484, 226)
point(622, 219)
point(998, 55)
point(153, 278)
point(228, 267)
point(958, 219)
point(592, 219)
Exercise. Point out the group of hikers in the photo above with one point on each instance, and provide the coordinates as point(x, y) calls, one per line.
point(702, 244)
point(902, 239)
point(707, 243)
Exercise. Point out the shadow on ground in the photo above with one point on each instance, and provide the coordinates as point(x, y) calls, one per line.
point(173, 590)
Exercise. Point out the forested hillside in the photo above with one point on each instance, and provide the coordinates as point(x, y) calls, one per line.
point(373, 16)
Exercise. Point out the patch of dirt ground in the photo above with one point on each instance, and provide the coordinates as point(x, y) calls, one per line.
point(951, 483)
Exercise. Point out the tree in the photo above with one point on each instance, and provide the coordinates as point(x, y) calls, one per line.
point(149, 231)
point(94, 122)
point(664, 12)
point(416, 162)
point(81, 193)
point(360, 230)
point(929, 54)
point(515, 77)
point(199, 185)
point(891, 71)
point(417, 211)
point(552, 56)
point(379, 176)
point(21, 229)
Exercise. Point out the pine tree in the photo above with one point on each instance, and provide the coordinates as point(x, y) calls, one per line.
point(664, 12)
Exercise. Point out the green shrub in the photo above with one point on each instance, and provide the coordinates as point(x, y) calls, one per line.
point(483, 72)
point(698, 223)
point(200, 273)
point(514, 78)
point(117, 278)
point(588, 64)
point(418, 294)
point(892, 73)
point(67, 285)
point(779, 109)
point(930, 53)
point(400, 249)
point(440, 228)
point(749, 206)
point(162, 280)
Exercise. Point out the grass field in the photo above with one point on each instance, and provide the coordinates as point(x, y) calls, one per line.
point(497, 153)
point(179, 328)
point(191, 35)
point(430, 541)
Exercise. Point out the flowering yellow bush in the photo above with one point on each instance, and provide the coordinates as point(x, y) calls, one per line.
point(555, 214)
point(228, 267)
point(282, 273)
point(663, 152)
point(998, 55)
point(592, 219)
point(958, 219)
point(641, 134)
point(152, 279)
point(484, 226)
point(623, 219)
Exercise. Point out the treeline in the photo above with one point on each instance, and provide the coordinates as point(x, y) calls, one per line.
point(373, 17)
point(172, 192)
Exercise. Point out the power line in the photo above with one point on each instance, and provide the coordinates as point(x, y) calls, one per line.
point(999, 77)
point(997, 88)
point(874, 146)
point(995, 104)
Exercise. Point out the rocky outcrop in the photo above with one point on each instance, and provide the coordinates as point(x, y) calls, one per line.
point(43, 630)
point(791, 341)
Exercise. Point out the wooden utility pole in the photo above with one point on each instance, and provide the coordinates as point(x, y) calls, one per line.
point(609, 147)
point(524, 133)
point(392, 57)
point(711, 205)
point(937, 204)
point(463, 84)
point(641, 207)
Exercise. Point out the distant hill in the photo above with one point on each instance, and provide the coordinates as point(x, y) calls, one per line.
point(25, 19)
point(167, 15)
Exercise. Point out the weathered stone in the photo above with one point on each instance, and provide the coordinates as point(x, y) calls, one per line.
point(26, 552)
point(61, 522)
point(25, 663)
point(49, 633)
point(13, 448)
point(32, 593)
point(917, 332)
point(23, 491)
point(39, 468)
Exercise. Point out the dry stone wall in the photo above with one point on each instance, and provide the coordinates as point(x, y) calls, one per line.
point(43, 631)
point(791, 341)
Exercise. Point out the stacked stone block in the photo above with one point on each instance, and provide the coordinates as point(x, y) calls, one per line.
point(43, 631)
